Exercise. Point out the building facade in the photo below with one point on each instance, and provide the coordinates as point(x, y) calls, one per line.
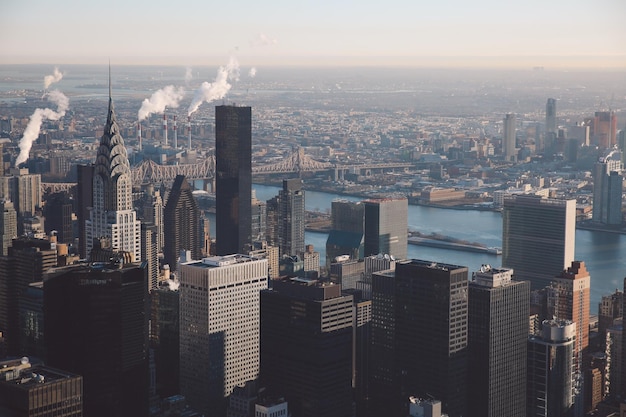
point(497, 339)
point(538, 237)
point(182, 223)
point(219, 327)
point(386, 223)
point(607, 190)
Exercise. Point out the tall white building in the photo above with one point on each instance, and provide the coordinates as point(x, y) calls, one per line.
point(112, 215)
point(219, 327)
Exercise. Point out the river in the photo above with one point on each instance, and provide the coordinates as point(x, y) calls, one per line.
point(604, 253)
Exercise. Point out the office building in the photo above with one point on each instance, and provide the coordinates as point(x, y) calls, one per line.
point(233, 179)
point(614, 359)
point(431, 299)
point(607, 190)
point(306, 346)
point(604, 129)
point(384, 386)
point(311, 260)
point(346, 234)
point(569, 300)
point(609, 311)
point(8, 226)
point(509, 150)
point(149, 233)
point(112, 214)
point(374, 263)
point(24, 191)
point(497, 339)
point(347, 272)
point(259, 219)
point(219, 327)
point(425, 408)
point(181, 217)
point(291, 218)
point(84, 201)
point(31, 322)
point(37, 390)
point(386, 223)
point(151, 211)
point(550, 389)
point(164, 337)
point(260, 249)
point(274, 407)
point(96, 325)
point(58, 214)
point(538, 237)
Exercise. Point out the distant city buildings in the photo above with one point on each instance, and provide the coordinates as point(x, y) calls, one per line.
point(509, 149)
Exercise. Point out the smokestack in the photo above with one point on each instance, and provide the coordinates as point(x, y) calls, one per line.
point(139, 134)
point(189, 130)
point(175, 134)
point(164, 129)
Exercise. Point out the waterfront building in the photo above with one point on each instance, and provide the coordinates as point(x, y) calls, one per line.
point(112, 214)
point(233, 179)
point(306, 346)
point(386, 223)
point(508, 138)
point(346, 234)
point(538, 237)
point(607, 189)
point(291, 230)
point(551, 388)
point(497, 339)
point(219, 327)
point(96, 325)
point(431, 300)
point(37, 390)
point(182, 223)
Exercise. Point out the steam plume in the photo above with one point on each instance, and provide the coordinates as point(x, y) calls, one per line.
point(173, 284)
point(31, 133)
point(188, 75)
point(263, 40)
point(218, 88)
point(54, 78)
point(169, 96)
point(252, 72)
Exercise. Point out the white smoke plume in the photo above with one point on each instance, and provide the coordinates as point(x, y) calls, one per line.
point(263, 40)
point(31, 133)
point(169, 96)
point(252, 72)
point(217, 89)
point(188, 75)
point(173, 284)
point(54, 78)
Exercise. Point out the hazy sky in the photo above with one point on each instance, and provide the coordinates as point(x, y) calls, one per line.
point(292, 32)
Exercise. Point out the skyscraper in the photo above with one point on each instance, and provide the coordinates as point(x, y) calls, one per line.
point(346, 234)
point(58, 214)
point(431, 302)
point(538, 237)
point(569, 300)
point(607, 189)
point(386, 223)
point(182, 228)
point(233, 179)
point(96, 325)
point(550, 390)
point(84, 200)
point(291, 217)
point(497, 339)
point(219, 327)
point(604, 129)
point(112, 214)
point(8, 226)
point(306, 346)
point(551, 116)
point(508, 138)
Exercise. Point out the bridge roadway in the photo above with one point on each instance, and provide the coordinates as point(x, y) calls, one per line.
point(149, 171)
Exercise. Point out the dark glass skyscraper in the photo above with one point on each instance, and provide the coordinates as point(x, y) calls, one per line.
point(291, 217)
point(182, 219)
point(233, 179)
point(386, 227)
point(306, 346)
point(431, 308)
point(497, 340)
point(96, 325)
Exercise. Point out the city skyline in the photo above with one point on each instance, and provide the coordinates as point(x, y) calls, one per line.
point(448, 33)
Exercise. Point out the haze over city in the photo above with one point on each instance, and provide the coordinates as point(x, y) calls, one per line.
point(482, 33)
